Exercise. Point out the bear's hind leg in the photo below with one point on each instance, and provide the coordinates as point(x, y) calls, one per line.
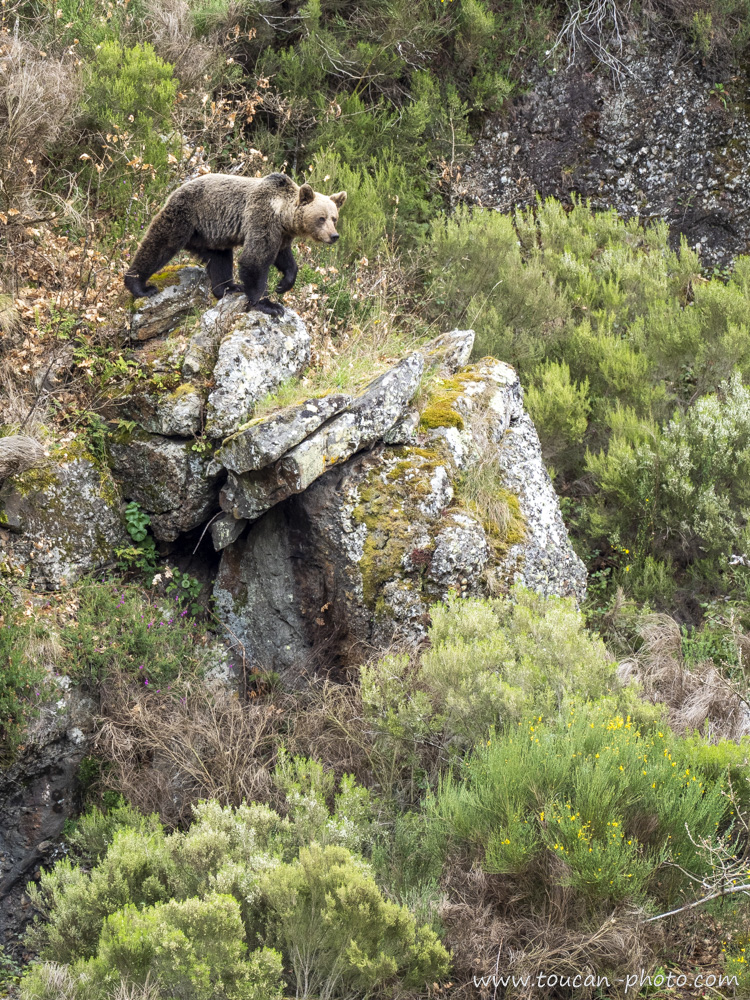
point(286, 263)
point(220, 268)
point(169, 232)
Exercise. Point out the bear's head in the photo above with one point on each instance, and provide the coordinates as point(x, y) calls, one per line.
point(317, 214)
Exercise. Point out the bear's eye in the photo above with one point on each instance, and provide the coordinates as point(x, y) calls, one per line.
point(322, 219)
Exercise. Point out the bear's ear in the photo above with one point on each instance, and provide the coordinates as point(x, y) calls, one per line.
point(339, 198)
point(306, 194)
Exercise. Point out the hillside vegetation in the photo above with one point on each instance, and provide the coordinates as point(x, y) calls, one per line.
point(550, 779)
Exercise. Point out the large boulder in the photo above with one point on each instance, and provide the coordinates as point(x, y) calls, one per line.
point(60, 519)
point(169, 479)
point(254, 358)
point(353, 558)
point(182, 290)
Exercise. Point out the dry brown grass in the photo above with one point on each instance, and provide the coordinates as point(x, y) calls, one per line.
point(495, 926)
point(39, 98)
point(172, 35)
point(699, 696)
point(167, 754)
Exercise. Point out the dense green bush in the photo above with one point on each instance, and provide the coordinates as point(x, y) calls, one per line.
point(343, 939)
point(129, 98)
point(682, 491)
point(612, 801)
point(183, 909)
point(490, 663)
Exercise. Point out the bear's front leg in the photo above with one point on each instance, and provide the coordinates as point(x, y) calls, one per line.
point(254, 279)
point(286, 263)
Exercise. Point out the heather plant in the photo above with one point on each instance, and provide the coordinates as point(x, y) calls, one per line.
point(623, 808)
point(119, 628)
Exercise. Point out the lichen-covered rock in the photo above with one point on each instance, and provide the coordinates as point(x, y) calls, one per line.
point(543, 560)
point(59, 521)
point(358, 426)
point(226, 529)
point(184, 290)
point(214, 325)
point(372, 543)
point(450, 351)
point(264, 440)
point(171, 414)
point(254, 358)
point(169, 479)
point(257, 595)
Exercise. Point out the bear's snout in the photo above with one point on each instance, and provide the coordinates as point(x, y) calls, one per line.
point(333, 237)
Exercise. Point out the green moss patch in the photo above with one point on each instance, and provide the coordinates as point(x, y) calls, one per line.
point(388, 508)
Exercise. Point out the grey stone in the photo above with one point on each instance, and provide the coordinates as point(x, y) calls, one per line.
point(174, 414)
point(450, 350)
point(257, 596)
point(544, 559)
point(215, 323)
point(164, 311)
point(64, 520)
point(360, 425)
point(225, 530)
point(168, 479)
point(266, 439)
point(371, 543)
point(258, 354)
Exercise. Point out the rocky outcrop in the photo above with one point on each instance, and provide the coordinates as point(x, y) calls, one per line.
point(661, 142)
point(169, 479)
point(37, 796)
point(255, 357)
point(354, 557)
point(340, 519)
point(182, 290)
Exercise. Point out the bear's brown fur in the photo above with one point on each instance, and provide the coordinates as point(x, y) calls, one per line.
point(217, 212)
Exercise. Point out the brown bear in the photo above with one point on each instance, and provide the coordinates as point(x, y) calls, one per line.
point(211, 215)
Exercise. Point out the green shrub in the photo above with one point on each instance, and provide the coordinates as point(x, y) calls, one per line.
point(137, 868)
point(181, 910)
point(22, 681)
point(119, 627)
point(129, 98)
point(680, 491)
point(612, 802)
point(194, 949)
point(490, 663)
point(342, 937)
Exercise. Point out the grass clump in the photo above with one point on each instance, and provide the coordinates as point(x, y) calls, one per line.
point(23, 680)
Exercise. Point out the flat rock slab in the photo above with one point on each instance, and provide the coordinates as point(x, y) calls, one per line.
point(359, 426)
point(266, 439)
point(255, 358)
point(165, 311)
